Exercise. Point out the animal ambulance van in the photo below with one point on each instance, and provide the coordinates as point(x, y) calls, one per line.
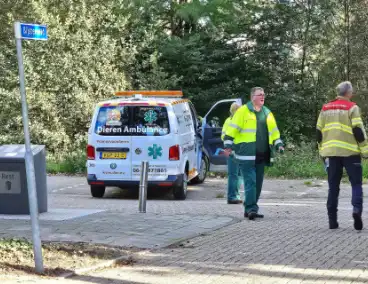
point(160, 127)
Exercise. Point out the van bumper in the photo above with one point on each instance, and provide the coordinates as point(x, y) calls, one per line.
point(171, 181)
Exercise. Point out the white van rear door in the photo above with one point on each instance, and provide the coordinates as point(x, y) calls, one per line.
point(113, 145)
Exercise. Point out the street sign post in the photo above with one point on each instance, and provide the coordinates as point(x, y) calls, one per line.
point(32, 32)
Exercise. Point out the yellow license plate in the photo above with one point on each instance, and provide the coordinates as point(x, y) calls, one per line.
point(114, 155)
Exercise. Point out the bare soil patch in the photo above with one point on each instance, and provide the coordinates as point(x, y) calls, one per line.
point(16, 257)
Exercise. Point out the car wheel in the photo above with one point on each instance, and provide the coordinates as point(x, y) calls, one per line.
point(97, 191)
point(180, 192)
point(202, 173)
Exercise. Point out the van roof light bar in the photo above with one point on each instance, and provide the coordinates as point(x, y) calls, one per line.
point(166, 93)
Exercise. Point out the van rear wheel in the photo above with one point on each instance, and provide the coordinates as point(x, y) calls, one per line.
point(180, 192)
point(97, 191)
point(202, 173)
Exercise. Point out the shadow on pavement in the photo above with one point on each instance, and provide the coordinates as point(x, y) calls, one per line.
point(241, 271)
point(133, 194)
point(31, 270)
point(102, 280)
point(194, 193)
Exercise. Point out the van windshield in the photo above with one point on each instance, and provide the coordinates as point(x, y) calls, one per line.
point(132, 121)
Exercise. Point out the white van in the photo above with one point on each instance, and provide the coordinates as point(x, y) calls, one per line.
point(160, 127)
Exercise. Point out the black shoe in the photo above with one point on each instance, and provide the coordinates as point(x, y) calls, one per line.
point(236, 201)
point(257, 215)
point(333, 224)
point(358, 224)
point(252, 215)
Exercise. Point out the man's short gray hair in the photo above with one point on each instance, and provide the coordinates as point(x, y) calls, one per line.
point(344, 88)
point(254, 90)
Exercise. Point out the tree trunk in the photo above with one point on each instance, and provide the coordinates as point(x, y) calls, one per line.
point(347, 38)
point(305, 39)
point(178, 26)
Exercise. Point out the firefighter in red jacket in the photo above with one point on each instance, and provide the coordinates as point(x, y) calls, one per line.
point(342, 141)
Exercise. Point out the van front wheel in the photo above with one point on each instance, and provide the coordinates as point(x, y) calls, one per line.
point(97, 191)
point(180, 191)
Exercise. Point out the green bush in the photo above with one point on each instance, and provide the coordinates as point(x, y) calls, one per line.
point(303, 162)
point(69, 163)
point(298, 162)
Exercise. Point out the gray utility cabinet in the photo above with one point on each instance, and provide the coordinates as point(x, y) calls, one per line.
point(13, 179)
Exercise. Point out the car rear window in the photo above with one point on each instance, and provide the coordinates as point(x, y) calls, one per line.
point(132, 121)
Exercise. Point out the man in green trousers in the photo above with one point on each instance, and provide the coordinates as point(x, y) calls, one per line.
point(252, 137)
point(233, 177)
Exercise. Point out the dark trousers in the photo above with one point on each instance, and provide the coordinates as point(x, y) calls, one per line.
point(354, 170)
point(233, 179)
point(253, 181)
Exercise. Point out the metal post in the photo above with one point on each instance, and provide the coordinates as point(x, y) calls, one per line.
point(143, 183)
point(31, 180)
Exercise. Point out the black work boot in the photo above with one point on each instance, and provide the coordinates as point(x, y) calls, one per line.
point(252, 215)
point(333, 224)
point(236, 201)
point(257, 215)
point(358, 223)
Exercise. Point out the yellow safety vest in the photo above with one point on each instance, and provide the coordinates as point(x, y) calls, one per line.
point(241, 133)
point(224, 127)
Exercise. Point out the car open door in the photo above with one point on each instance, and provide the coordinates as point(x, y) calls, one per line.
point(212, 125)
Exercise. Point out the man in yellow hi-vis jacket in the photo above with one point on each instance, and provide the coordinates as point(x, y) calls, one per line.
point(233, 180)
point(342, 141)
point(253, 136)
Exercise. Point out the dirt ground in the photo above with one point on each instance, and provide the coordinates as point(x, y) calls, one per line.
point(16, 257)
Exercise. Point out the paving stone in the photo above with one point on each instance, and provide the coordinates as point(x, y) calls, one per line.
point(292, 244)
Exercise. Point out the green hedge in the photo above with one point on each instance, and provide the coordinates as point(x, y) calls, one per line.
point(298, 162)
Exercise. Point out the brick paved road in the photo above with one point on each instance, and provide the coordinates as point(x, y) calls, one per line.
point(291, 245)
point(112, 228)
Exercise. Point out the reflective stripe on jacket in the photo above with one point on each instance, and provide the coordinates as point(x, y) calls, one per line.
point(340, 129)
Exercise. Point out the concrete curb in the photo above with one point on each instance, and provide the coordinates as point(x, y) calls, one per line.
point(104, 264)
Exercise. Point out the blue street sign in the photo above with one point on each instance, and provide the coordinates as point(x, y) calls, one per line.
point(30, 31)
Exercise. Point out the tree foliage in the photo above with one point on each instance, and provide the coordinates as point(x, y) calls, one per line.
point(298, 51)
